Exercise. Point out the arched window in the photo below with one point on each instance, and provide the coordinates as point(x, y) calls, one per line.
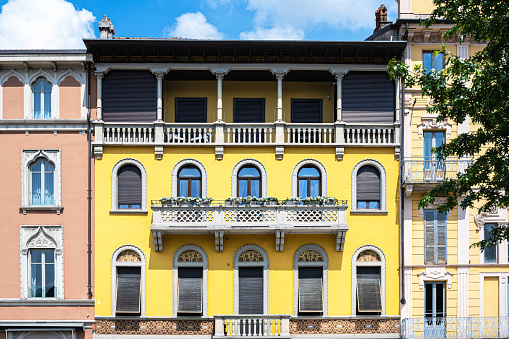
point(190, 281)
point(249, 182)
point(368, 281)
point(310, 281)
point(189, 182)
point(251, 280)
point(309, 182)
point(129, 187)
point(42, 183)
point(41, 90)
point(368, 188)
point(128, 281)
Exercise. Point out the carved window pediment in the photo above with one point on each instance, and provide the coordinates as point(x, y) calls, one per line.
point(494, 216)
point(433, 124)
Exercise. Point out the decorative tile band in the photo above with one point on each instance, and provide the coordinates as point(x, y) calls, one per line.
point(346, 326)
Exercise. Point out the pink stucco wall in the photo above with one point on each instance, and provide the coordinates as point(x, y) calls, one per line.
point(12, 98)
point(70, 99)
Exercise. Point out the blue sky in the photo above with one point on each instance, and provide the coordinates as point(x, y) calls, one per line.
point(62, 24)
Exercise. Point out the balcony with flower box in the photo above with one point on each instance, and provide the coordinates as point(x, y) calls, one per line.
point(234, 216)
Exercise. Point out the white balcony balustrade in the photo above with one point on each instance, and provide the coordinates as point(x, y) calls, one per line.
point(131, 133)
point(370, 135)
point(309, 134)
point(430, 170)
point(249, 134)
point(189, 134)
point(257, 326)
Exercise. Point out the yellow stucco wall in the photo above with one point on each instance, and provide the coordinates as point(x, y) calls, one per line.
point(114, 230)
point(422, 6)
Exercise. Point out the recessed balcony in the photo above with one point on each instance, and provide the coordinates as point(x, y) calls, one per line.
point(219, 219)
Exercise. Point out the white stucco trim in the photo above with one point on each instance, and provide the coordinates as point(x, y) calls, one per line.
point(41, 237)
point(314, 163)
point(247, 162)
point(381, 264)
point(51, 78)
point(188, 162)
point(435, 273)
point(324, 264)
point(205, 282)
point(383, 184)
point(114, 183)
point(143, 284)
point(237, 264)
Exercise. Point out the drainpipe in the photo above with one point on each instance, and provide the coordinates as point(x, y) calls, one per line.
point(402, 190)
point(89, 190)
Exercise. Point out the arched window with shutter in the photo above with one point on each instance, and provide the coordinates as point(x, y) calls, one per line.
point(368, 188)
point(128, 187)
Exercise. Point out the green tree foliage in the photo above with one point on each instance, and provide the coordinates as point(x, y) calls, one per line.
point(477, 87)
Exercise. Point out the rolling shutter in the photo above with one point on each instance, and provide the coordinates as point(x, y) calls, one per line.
point(309, 110)
point(190, 281)
point(250, 290)
point(191, 110)
point(129, 186)
point(368, 184)
point(129, 96)
point(310, 289)
point(248, 110)
point(368, 97)
point(128, 290)
point(369, 298)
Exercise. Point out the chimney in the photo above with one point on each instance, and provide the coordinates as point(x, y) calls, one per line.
point(381, 17)
point(106, 28)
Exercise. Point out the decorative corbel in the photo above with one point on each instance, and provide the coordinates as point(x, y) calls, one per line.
point(280, 151)
point(340, 151)
point(397, 152)
point(340, 240)
point(158, 240)
point(218, 235)
point(280, 241)
point(427, 34)
point(408, 190)
point(98, 151)
point(219, 152)
point(159, 150)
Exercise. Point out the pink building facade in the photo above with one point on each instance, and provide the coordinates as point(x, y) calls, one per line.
point(46, 287)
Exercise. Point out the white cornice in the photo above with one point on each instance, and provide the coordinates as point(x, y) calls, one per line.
point(43, 125)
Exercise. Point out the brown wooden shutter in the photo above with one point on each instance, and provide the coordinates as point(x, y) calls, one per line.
point(128, 290)
point(191, 110)
point(248, 110)
point(307, 110)
point(368, 184)
point(190, 286)
point(129, 185)
point(310, 289)
point(369, 298)
point(250, 290)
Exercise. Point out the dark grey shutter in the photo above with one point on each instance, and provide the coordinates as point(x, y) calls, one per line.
point(310, 289)
point(191, 110)
point(307, 110)
point(129, 96)
point(368, 97)
point(441, 239)
point(250, 290)
point(190, 281)
point(429, 236)
point(128, 289)
point(368, 184)
point(129, 185)
point(248, 110)
point(369, 298)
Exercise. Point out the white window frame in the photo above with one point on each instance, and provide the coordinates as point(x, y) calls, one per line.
point(264, 264)
point(37, 80)
point(249, 162)
point(313, 163)
point(38, 237)
point(497, 217)
point(325, 266)
point(28, 157)
point(204, 265)
point(381, 264)
point(383, 187)
point(114, 187)
point(188, 162)
point(143, 285)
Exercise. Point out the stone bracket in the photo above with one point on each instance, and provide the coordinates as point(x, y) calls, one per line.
point(340, 151)
point(218, 235)
point(280, 151)
point(219, 152)
point(280, 241)
point(158, 240)
point(397, 152)
point(340, 240)
point(408, 190)
point(98, 151)
point(159, 150)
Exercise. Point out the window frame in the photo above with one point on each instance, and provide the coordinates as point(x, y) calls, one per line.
point(435, 237)
point(177, 102)
point(369, 202)
point(308, 181)
point(383, 187)
point(43, 264)
point(42, 175)
point(189, 180)
point(325, 277)
point(264, 264)
point(129, 206)
point(181, 164)
point(432, 60)
point(239, 178)
point(204, 264)
point(38, 80)
point(314, 163)
point(249, 162)
point(236, 100)
point(114, 187)
point(141, 264)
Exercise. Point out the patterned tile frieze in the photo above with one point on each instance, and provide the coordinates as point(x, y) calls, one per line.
point(344, 326)
point(149, 327)
point(310, 255)
point(190, 256)
point(129, 256)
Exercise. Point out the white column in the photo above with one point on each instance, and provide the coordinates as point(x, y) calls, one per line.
point(339, 95)
point(279, 77)
point(159, 77)
point(100, 76)
point(219, 77)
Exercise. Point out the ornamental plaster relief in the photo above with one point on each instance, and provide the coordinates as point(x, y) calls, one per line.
point(435, 273)
point(431, 123)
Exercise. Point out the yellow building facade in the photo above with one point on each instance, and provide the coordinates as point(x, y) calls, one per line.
point(325, 265)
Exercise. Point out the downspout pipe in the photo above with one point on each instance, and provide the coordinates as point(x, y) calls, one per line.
point(89, 190)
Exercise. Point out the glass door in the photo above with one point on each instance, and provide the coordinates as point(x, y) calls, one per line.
point(433, 169)
point(434, 310)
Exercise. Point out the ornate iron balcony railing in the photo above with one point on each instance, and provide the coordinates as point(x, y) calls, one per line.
point(431, 170)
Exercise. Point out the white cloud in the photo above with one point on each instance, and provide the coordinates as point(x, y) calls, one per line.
point(48, 24)
point(193, 26)
point(305, 15)
point(274, 33)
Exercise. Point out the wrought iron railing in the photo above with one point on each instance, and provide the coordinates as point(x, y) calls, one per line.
point(455, 327)
point(432, 170)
